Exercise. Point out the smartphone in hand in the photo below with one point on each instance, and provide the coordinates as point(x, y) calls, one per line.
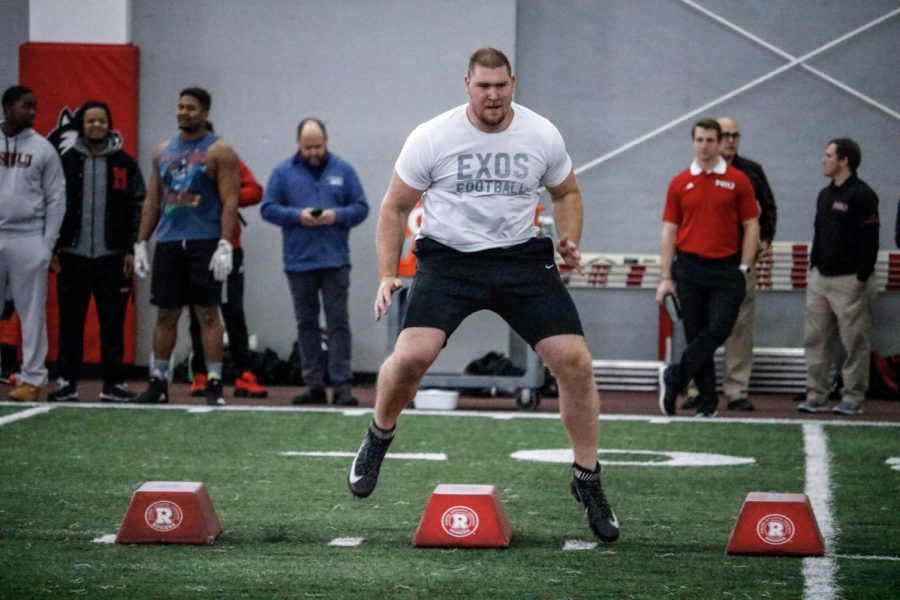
point(673, 307)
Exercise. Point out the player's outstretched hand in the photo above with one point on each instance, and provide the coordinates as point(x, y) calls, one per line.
point(386, 289)
point(570, 253)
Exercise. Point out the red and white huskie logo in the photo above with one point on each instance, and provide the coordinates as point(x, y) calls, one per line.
point(459, 521)
point(64, 134)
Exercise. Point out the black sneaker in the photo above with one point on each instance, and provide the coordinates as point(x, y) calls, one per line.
point(214, 395)
point(344, 398)
point(600, 515)
point(668, 393)
point(707, 407)
point(366, 464)
point(66, 391)
point(741, 404)
point(313, 396)
point(116, 392)
point(156, 393)
point(692, 403)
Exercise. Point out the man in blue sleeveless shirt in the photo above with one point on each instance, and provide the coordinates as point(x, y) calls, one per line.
point(192, 204)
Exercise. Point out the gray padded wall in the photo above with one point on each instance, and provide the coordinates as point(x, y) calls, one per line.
point(13, 33)
point(371, 71)
point(605, 72)
point(610, 72)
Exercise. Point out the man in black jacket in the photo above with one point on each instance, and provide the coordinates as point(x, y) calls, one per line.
point(841, 283)
point(105, 191)
point(738, 359)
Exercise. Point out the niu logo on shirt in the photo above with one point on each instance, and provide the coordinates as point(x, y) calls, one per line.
point(728, 185)
point(840, 206)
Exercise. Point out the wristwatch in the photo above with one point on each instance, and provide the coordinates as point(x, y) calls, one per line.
point(744, 269)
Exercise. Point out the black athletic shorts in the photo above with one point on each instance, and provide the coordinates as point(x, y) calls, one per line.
point(181, 274)
point(520, 283)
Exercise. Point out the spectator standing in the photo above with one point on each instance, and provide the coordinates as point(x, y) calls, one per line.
point(710, 238)
point(104, 194)
point(316, 198)
point(841, 285)
point(32, 207)
point(191, 204)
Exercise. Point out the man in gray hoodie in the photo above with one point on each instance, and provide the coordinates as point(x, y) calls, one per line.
point(32, 206)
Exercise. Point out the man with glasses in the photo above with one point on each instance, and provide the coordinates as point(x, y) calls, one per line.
point(738, 361)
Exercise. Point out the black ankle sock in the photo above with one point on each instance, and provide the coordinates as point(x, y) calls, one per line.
point(582, 474)
point(382, 434)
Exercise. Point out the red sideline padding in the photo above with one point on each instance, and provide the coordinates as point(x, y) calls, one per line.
point(64, 76)
point(464, 516)
point(781, 524)
point(170, 512)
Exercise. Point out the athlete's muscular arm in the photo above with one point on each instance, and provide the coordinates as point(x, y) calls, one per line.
point(569, 218)
point(398, 202)
point(150, 208)
point(666, 258)
point(228, 180)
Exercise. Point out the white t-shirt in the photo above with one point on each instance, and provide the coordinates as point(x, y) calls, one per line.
point(481, 189)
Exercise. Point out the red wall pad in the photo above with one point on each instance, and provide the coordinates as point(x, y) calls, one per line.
point(65, 76)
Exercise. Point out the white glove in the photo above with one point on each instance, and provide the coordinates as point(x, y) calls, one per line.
point(141, 260)
point(220, 264)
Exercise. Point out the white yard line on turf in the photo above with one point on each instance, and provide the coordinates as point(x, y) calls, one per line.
point(346, 542)
point(866, 557)
point(819, 572)
point(484, 414)
point(25, 414)
point(400, 455)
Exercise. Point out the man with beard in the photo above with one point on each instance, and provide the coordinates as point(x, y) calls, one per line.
point(477, 169)
point(316, 198)
point(191, 203)
point(32, 206)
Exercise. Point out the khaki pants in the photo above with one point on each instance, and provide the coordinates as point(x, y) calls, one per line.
point(738, 348)
point(839, 306)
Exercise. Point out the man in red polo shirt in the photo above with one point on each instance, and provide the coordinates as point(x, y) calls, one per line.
point(709, 240)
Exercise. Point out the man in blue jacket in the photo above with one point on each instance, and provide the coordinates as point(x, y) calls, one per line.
point(316, 198)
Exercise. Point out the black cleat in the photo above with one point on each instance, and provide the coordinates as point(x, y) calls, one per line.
point(116, 392)
point(668, 393)
point(741, 404)
point(157, 393)
point(214, 395)
point(312, 396)
point(691, 403)
point(600, 515)
point(707, 408)
point(65, 391)
point(344, 398)
point(364, 469)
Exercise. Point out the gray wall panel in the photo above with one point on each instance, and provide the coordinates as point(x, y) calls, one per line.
point(371, 71)
point(604, 72)
point(13, 33)
point(609, 73)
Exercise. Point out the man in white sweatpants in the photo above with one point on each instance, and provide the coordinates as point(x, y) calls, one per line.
point(32, 206)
